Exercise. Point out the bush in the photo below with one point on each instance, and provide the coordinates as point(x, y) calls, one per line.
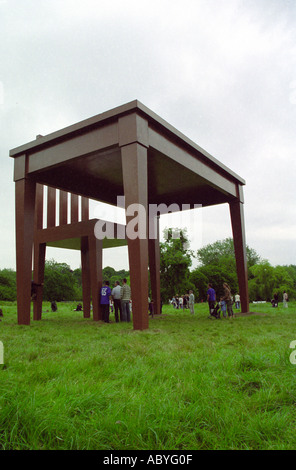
point(7, 285)
point(60, 283)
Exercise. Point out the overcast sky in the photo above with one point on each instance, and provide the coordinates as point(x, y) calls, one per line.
point(223, 72)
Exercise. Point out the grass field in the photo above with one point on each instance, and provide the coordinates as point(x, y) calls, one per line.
point(187, 383)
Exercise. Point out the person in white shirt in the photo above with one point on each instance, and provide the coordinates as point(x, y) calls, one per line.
point(237, 300)
point(285, 299)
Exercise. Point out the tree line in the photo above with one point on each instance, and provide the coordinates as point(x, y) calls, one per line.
point(216, 264)
point(61, 283)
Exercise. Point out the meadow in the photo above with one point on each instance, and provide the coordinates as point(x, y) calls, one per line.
point(187, 383)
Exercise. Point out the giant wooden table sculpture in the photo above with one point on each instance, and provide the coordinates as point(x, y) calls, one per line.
point(126, 151)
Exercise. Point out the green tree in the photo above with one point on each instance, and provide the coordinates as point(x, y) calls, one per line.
point(108, 272)
point(262, 281)
point(218, 265)
point(216, 275)
point(267, 279)
point(77, 274)
point(200, 281)
point(7, 285)
point(111, 275)
point(283, 281)
point(291, 270)
point(223, 250)
point(60, 283)
point(175, 261)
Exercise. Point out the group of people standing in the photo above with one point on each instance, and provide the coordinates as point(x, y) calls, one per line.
point(180, 301)
point(226, 300)
point(121, 298)
point(275, 300)
point(184, 301)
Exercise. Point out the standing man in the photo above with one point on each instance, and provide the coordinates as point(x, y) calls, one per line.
point(116, 291)
point(211, 297)
point(104, 301)
point(191, 301)
point(125, 300)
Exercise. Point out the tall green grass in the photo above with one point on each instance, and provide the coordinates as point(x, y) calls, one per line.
point(187, 383)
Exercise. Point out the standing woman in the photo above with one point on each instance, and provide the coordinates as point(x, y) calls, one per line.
point(191, 301)
point(228, 299)
point(285, 299)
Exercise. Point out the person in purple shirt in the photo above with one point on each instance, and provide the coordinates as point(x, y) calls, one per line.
point(211, 297)
point(105, 299)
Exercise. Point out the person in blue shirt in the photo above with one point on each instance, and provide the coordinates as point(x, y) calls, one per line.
point(211, 297)
point(105, 300)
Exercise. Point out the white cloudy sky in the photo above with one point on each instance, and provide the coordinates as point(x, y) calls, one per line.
point(223, 72)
